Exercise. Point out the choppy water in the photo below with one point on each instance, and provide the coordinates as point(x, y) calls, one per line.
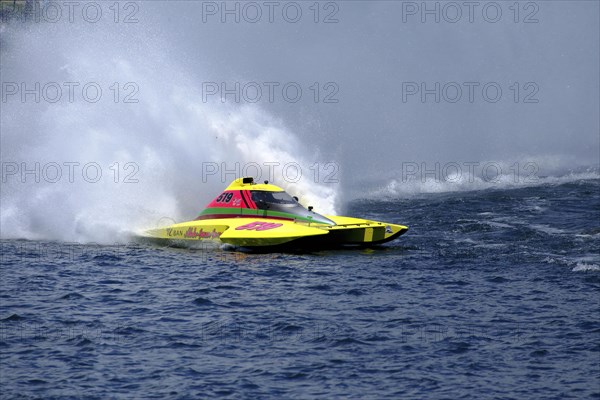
point(491, 294)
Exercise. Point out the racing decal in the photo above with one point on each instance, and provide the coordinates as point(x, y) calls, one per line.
point(258, 226)
point(174, 232)
point(193, 233)
point(229, 199)
point(201, 234)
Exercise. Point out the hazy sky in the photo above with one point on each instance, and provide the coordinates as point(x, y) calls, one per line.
point(382, 81)
point(542, 55)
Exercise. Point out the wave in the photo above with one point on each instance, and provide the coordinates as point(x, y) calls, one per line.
point(585, 267)
point(503, 176)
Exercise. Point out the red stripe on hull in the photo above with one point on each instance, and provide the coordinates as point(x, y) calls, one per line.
point(248, 197)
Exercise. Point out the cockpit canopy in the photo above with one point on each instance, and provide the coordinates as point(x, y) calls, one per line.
point(265, 199)
point(284, 203)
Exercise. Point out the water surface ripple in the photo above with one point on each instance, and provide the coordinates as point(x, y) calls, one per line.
point(491, 294)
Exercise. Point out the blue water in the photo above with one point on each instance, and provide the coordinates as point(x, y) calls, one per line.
point(491, 294)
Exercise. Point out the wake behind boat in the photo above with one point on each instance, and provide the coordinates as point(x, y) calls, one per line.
point(263, 215)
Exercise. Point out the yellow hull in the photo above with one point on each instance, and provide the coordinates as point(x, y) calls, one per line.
point(264, 232)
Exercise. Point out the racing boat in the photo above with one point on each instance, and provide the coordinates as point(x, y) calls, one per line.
point(263, 215)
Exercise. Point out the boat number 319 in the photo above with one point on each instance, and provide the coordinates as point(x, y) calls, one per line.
point(224, 197)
